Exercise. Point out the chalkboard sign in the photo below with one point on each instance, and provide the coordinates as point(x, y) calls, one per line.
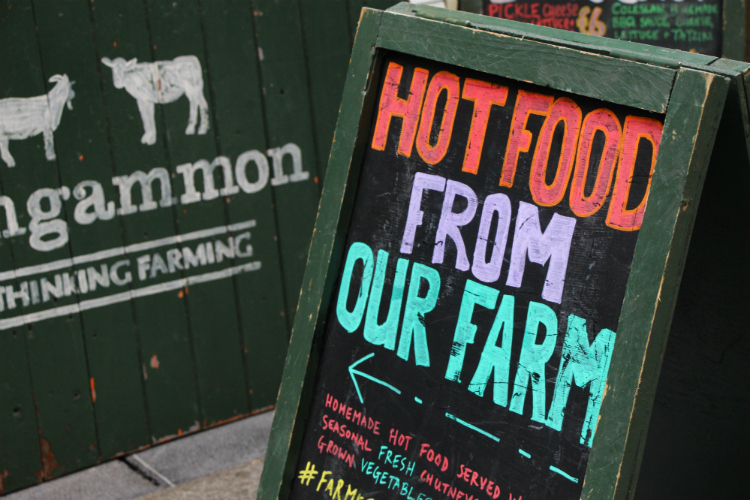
point(460, 285)
point(493, 270)
point(713, 27)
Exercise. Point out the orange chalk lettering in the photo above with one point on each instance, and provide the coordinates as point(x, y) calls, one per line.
point(484, 95)
point(442, 81)
point(519, 140)
point(604, 121)
point(547, 195)
point(393, 106)
point(636, 130)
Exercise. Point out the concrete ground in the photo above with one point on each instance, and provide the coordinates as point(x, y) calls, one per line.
point(218, 464)
point(237, 483)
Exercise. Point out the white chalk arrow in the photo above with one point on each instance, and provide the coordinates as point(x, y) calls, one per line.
point(354, 372)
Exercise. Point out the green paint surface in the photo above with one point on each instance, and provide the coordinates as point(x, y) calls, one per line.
point(183, 323)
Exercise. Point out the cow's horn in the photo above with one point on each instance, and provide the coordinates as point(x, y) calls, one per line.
point(107, 61)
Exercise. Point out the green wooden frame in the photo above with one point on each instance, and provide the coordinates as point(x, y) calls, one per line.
point(684, 86)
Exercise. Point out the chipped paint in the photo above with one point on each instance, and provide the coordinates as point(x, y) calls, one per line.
point(49, 462)
point(154, 362)
point(226, 421)
point(193, 428)
point(93, 389)
point(130, 452)
point(164, 439)
point(263, 410)
point(3, 475)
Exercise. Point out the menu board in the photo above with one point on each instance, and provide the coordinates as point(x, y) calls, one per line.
point(472, 325)
point(691, 25)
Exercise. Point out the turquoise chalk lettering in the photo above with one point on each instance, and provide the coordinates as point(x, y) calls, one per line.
point(474, 294)
point(350, 320)
point(582, 364)
point(533, 358)
point(414, 312)
point(496, 358)
point(386, 333)
point(473, 427)
point(563, 474)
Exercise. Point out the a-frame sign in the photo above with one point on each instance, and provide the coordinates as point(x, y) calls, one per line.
point(495, 263)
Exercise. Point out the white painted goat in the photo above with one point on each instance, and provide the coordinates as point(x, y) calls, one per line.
point(21, 118)
point(162, 82)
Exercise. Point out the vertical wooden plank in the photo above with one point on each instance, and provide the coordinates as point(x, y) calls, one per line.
point(121, 30)
point(19, 442)
point(20, 455)
point(288, 124)
point(237, 114)
point(67, 46)
point(176, 31)
point(56, 347)
point(328, 44)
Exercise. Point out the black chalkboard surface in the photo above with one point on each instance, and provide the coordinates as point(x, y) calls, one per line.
point(690, 25)
point(465, 275)
point(494, 267)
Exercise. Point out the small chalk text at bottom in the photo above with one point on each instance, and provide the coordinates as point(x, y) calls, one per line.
point(328, 485)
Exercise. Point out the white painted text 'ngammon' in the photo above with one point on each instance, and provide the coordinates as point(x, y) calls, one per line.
point(249, 173)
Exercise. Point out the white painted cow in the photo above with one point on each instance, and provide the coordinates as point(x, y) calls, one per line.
point(162, 82)
point(21, 118)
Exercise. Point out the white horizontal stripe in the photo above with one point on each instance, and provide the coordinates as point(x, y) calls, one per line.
point(86, 305)
point(130, 249)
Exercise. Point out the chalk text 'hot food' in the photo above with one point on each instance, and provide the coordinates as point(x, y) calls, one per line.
point(418, 112)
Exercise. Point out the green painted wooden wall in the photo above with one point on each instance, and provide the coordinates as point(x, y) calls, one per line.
point(90, 371)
